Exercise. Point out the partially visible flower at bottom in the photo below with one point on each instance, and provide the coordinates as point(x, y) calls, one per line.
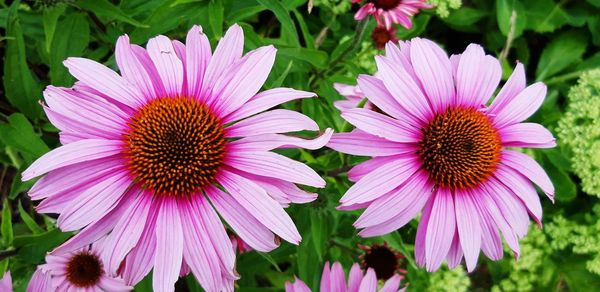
point(6, 282)
point(81, 270)
point(382, 35)
point(385, 260)
point(333, 279)
point(239, 245)
point(387, 12)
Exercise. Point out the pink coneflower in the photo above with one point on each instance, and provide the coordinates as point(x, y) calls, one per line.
point(440, 149)
point(148, 155)
point(333, 280)
point(382, 35)
point(81, 270)
point(6, 282)
point(387, 12)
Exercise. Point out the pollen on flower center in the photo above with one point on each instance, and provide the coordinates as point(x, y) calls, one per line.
point(84, 270)
point(385, 4)
point(175, 146)
point(460, 148)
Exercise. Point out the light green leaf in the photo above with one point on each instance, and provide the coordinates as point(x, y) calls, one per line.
point(72, 41)
point(315, 57)
point(34, 227)
point(288, 28)
point(19, 134)
point(545, 15)
point(465, 16)
point(50, 18)
point(505, 10)
point(565, 50)
point(6, 227)
point(215, 19)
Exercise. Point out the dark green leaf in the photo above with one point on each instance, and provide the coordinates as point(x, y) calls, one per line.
point(511, 13)
point(21, 89)
point(315, 57)
point(288, 28)
point(545, 15)
point(465, 16)
point(318, 229)
point(19, 133)
point(6, 227)
point(34, 227)
point(33, 248)
point(50, 19)
point(564, 50)
point(70, 42)
point(215, 19)
point(107, 9)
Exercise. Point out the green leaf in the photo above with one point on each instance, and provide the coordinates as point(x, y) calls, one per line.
point(166, 18)
point(594, 27)
point(465, 16)
point(19, 133)
point(50, 18)
point(566, 189)
point(109, 10)
point(72, 41)
point(6, 227)
point(21, 89)
point(545, 15)
point(564, 50)
point(33, 248)
point(215, 19)
point(315, 57)
point(318, 229)
point(288, 28)
point(34, 227)
point(308, 38)
point(505, 10)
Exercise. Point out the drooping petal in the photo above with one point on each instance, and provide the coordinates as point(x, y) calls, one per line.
point(266, 100)
point(513, 86)
point(522, 188)
point(440, 229)
point(468, 226)
point(521, 106)
point(169, 246)
point(268, 142)
point(528, 167)
point(140, 260)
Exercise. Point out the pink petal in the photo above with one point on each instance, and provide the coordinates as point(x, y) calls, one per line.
point(521, 106)
point(434, 70)
point(369, 282)
point(420, 240)
point(528, 167)
point(338, 280)
point(509, 205)
point(491, 244)
point(415, 191)
point(274, 121)
point(256, 201)
point(380, 181)
point(269, 142)
point(468, 226)
point(169, 246)
point(287, 191)
point(113, 284)
point(126, 233)
point(360, 170)
point(41, 281)
point(522, 188)
point(440, 229)
point(455, 254)
point(382, 126)
point(238, 86)
point(392, 284)
point(198, 249)
point(360, 143)
point(72, 130)
point(529, 135)
point(228, 51)
point(298, 286)
point(274, 165)
point(513, 86)
point(98, 229)
point(168, 65)
point(104, 80)
point(132, 69)
point(326, 278)
point(77, 175)
point(354, 278)
point(378, 94)
point(84, 150)
point(145, 60)
point(488, 203)
point(404, 88)
point(242, 222)
point(400, 54)
point(477, 77)
point(140, 260)
point(95, 202)
point(218, 236)
point(197, 55)
point(266, 100)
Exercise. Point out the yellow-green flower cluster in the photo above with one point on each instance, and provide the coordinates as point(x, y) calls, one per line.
point(336, 6)
point(455, 280)
point(579, 129)
point(443, 7)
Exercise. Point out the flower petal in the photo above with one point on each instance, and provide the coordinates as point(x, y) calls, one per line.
point(197, 54)
point(513, 86)
point(361, 143)
point(269, 142)
point(477, 77)
point(468, 226)
point(440, 229)
point(382, 126)
point(266, 100)
point(521, 106)
point(228, 51)
point(169, 246)
point(272, 122)
point(528, 167)
point(168, 65)
point(529, 135)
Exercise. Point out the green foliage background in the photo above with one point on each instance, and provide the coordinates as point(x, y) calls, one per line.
point(558, 41)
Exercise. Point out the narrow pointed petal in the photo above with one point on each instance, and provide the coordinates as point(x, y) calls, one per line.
point(469, 227)
point(169, 247)
point(528, 167)
point(440, 229)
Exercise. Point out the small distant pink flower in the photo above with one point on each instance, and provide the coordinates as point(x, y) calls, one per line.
point(441, 149)
point(387, 12)
point(81, 270)
point(153, 155)
point(382, 35)
point(6, 282)
point(334, 280)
